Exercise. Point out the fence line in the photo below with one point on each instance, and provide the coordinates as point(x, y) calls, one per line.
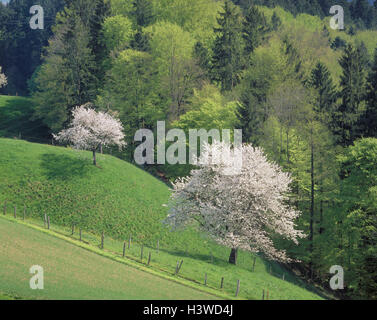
point(47, 225)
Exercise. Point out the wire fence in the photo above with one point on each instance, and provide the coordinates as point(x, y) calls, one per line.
point(146, 255)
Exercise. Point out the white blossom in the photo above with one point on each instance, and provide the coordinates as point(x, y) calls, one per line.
point(90, 129)
point(242, 210)
point(3, 79)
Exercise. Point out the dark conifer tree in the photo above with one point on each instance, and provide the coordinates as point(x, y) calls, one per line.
point(143, 12)
point(203, 57)
point(275, 22)
point(140, 41)
point(69, 75)
point(352, 93)
point(322, 82)
point(227, 62)
point(254, 29)
point(368, 120)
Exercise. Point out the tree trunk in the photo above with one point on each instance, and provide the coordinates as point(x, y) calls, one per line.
point(233, 256)
point(94, 158)
point(311, 231)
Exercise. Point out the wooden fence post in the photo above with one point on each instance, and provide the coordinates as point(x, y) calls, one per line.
point(149, 259)
point(80, 233)
point(5, 208)
point(15, 212)
point(283, 276)
point(222, 283)
point(254, 263)
point(141, 254)
point(238, 288)
point(268, 294)
point(205, 279)
point(45, 220)
point(124, 249)
point(102, 239)
point(73, 229)
point(48, 222)
point(23, 218)
point(178, 267)
point(263, 295)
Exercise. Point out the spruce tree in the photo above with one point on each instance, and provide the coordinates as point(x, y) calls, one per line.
point(369, 118)
point(352, 93)
point(254, 29)
point(100, 12)
point(202, 56)
point(321, 81)
point(275, 22)
point(140, 41)
point(69, 75)
point(143, 12)
point(360, 11)
point(227, 62)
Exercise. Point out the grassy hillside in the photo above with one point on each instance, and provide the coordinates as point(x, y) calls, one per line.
point(116, 198)
point(16, 119)
point(121, 200)
point(75, 273)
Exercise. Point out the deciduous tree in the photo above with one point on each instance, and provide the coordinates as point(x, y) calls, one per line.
point(242, 210)
point(90, 130)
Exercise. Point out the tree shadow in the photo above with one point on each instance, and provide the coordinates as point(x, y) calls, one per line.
point(63, 167)
point(197, 256)
point(16, 117)
point(277, 269)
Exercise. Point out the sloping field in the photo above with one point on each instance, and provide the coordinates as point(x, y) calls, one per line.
point(122, 201)
point(71, 272)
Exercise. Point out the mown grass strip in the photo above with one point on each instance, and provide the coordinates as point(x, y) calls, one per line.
point(125, 261)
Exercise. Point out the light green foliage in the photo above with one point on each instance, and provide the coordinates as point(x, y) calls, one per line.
point(131, 89)
point(117, 32)
point(356, 222)
point(169, 41)
point(197, 18)
point(121, 7)
point(208, 110)
point(172, 51)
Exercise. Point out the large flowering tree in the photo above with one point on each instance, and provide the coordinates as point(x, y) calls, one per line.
point(242, 210)
point(90, 129)
point(3, 79)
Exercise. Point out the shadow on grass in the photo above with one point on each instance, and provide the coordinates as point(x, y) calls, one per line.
point(198, 256)
point(62, 167)
point(16, 117)
point(277, 270)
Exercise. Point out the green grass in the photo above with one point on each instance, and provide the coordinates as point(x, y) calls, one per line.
point(121, 199)
point(16, 119)
point(71, 272)
point(5, 297)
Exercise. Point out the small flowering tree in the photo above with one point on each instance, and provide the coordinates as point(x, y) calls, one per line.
point(241, 210)
point(90, 129)
point(3, 79)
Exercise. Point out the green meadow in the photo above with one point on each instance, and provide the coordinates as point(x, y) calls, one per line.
point(121, 200)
